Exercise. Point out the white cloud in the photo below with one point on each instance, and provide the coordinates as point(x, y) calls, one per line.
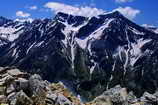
point(24, 20)
point(87, 11)
point(33, 7)
point(148, 26)
point(81, 11)
point(123, 1)
point(151, 27)
point(128, 12)
point(22, 14)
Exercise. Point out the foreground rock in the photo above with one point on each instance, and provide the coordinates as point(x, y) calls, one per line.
point(120, 96)
point(18, 88)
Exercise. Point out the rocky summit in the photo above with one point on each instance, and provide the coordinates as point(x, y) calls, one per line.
point(89, 55)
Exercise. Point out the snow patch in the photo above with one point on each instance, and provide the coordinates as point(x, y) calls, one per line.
point(30, 47)
point(39, 44)
point(156, 31)
point(86, 43)
point(95, 35)
point(9, 33)
point(127, 53)
point(14, 52)
point(136, 50)
point(136, 31)
point(70, 31)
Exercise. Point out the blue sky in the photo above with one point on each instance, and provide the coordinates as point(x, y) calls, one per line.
point(140, 11)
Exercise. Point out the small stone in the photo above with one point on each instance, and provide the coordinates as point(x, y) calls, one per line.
point(51, 98)
point(21, 84)
point(15, 72)
point(10, 89)
point(2, 90)
point(131, 98)
point(4, 75)
point(61, 100)
point(149, 97)
point(2, 83)
point(8, 79)
point(3, 98)
point(103, 100)
point(21, 99)
point(2, 70)
point(11, 96)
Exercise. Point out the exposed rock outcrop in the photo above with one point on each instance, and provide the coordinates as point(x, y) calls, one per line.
point(120, 96)
point(19, 88)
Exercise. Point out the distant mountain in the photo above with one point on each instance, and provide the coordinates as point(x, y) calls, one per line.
point(151, 27)
point(90, 55)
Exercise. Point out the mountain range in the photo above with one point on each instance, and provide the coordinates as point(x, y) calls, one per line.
point(88, 54)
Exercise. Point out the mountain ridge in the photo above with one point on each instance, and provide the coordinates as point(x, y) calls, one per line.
point(101, 51)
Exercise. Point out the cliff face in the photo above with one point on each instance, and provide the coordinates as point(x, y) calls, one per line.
point(87, 54)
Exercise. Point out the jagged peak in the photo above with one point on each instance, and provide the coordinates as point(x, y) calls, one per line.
point(64, 16)
point(72, 19)
point(114, 14)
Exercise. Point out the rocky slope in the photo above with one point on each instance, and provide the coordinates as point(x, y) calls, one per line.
point(86, 54)
point(20, 88)
point(120, 96)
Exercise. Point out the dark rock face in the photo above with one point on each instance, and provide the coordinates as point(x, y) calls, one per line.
point(100, 52)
